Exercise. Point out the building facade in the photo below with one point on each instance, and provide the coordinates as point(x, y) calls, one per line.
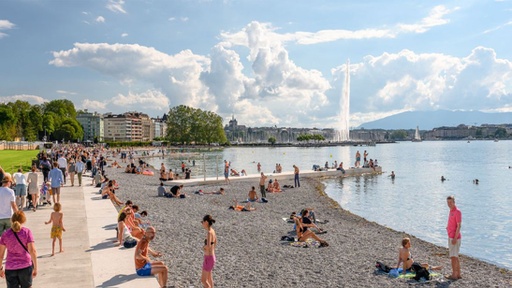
point(93, 125)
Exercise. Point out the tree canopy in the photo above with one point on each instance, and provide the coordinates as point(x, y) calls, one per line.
point(56, 118)
point(188, 125)
point(307, 137)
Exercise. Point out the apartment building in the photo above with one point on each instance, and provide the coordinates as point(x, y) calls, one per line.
point(93, 125)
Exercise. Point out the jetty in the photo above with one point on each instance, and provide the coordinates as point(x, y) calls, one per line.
point(287, 175)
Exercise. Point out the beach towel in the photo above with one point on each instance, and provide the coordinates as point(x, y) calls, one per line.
point(397, 273)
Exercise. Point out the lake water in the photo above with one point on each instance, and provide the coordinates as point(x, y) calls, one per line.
point(416, 193)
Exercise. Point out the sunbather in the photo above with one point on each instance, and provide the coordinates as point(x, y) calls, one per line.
point(246, 208)
point(405, 257)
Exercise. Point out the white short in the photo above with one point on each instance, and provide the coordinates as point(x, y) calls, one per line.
point(453, 249)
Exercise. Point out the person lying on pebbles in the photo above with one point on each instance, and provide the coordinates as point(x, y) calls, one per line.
point(246, 208)
point(220, 192)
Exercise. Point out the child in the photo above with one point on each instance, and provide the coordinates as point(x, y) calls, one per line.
point(45, 193)
point(57, 227)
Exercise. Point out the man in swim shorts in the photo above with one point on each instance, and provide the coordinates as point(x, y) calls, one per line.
point(143, 264)
point(454, 237)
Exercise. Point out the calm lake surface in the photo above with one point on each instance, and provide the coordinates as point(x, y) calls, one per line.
point(415, 202)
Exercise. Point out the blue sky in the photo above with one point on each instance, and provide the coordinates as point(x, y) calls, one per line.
point(266, 62)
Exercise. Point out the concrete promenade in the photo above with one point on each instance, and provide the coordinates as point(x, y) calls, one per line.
point(90, 258)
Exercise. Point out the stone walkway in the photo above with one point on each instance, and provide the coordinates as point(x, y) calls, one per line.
point(90, 258)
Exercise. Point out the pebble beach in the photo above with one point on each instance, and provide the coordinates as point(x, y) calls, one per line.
point(250, 252)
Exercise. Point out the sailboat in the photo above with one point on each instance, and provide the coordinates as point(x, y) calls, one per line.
point(417, 137)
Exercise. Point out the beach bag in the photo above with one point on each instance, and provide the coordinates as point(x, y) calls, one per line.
point(420, 271)
point(382, 267)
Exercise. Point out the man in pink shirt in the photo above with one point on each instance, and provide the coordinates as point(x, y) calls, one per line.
point(453, 229)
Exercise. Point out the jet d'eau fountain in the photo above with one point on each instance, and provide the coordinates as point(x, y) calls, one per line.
point(343, 133)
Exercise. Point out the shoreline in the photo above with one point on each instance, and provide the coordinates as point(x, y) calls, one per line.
point(250, 253)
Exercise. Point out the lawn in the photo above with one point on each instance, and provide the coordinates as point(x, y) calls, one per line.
point(11, 160)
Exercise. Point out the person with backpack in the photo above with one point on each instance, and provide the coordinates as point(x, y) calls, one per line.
point(46, 166)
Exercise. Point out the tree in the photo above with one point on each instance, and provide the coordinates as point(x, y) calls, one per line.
point(398, 135)
point(272, 140)
point(500, 133)
point(186, 125)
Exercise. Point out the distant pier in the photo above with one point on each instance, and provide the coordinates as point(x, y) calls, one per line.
point(288, 175)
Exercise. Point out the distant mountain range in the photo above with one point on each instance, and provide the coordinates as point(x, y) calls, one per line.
point(427, 120)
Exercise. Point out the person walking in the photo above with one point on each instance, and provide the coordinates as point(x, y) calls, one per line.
point(56, 181)
point(63, 165)
point(143, 264)
point(71, 171)
point(296, 176)
point(80, 166)
point(209, 252)
point(454, 237)
point(33, 188)
point(7, 203)
point(21, 261)
point(21, 188)
point(46, 166)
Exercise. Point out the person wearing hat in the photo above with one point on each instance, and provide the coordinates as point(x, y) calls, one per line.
point(7, 203)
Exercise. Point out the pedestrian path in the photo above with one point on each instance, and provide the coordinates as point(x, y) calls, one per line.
point(90, 258)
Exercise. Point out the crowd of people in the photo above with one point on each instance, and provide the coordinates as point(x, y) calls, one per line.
point(60, 167)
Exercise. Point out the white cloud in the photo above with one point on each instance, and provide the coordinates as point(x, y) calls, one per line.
point(497, 27)
point(66, 92)
point(171, 18)
point(184, 19)
point(152, 99)
point(273, 90)
point(116, 6)
point(32, 99)
point(124, 35)
point(94, 105)
point(434, 18)
point(5, 25)
point(100, 19)
point(429, 81)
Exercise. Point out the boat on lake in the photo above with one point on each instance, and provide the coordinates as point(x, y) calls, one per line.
point(417, 137)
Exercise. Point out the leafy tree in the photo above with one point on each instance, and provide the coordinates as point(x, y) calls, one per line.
point(479, 133)
point(500, 133)
point(398, 135)
point(186, 125)
point(272, 140)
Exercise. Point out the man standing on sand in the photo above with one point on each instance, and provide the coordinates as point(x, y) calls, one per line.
point(143, 264)
point(296, 176)
point(454, 237)
point(263, 179)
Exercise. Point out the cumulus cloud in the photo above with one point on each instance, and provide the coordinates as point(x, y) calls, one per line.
point(5, 25)
point(273, 90)
point(32, 99)
point(100, 19)
point(428, 81)
point(124, 35)
point(144, 101)
point(116, 6)
point(94, 105)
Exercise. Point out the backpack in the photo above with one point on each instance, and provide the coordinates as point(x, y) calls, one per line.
point(420, 271)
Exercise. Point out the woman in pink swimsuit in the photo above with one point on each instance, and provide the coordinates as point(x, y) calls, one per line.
point(209, 251)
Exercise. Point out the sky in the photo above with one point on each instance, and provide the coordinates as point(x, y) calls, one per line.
point(267, 63)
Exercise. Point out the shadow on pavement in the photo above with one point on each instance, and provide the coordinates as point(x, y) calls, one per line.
point(118, 279)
